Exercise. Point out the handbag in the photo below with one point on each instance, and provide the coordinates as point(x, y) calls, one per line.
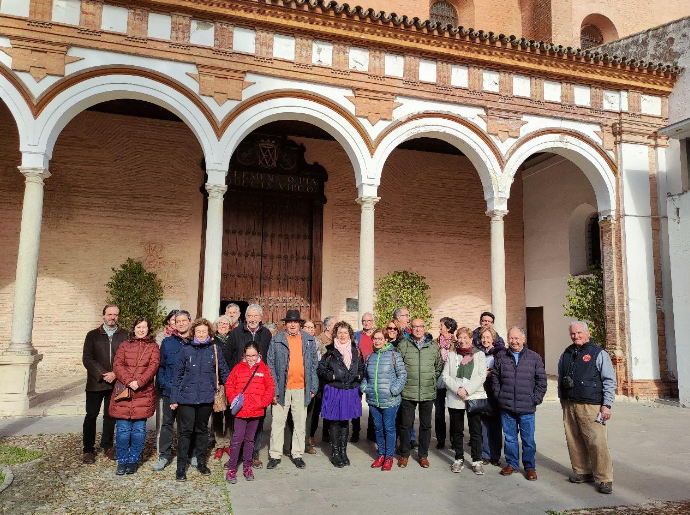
point(220, 400)
point(238, 401)
point(122, 392)
point(478, 406)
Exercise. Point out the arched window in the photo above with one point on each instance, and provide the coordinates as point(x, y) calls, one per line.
point(590, 36)
point(443, 13)
point(593, 242)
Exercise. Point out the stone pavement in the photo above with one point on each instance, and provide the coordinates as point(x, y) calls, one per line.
point(649, 443)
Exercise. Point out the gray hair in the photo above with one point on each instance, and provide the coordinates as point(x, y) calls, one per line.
point(327, 321)
point(397, 312)
point(223, 317)
point(579, 322)
point(255, 307)
point(182, 312)
point(232, 305)
point(271, 327)
point(522, 331)
point(368, 313)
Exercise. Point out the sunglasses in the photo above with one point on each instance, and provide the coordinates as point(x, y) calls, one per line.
point(391, 328)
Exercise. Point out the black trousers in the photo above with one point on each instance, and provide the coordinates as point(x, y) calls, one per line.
point(457, 431)
point(192, 421)
point(440, 415)
point(165, 436)
point(93, 408)
point(407, 421)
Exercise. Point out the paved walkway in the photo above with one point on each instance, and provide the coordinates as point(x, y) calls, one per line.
point(649, 443)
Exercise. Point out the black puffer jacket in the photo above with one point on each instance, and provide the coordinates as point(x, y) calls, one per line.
point(519, 388)
point(332, 370)
point(240, 337)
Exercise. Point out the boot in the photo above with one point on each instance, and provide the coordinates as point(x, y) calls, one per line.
point(336, 458)
point(344, 432)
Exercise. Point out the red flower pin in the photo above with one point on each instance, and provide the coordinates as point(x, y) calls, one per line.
point(586, 358)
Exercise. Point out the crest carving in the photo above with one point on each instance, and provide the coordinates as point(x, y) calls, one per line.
point(373, 105)
point(220, 83)
point(39, 58)
point(504, 124)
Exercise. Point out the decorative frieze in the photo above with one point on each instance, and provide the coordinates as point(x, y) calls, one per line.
point(476, 79)
point(41, 10)
point(137, 24)
point(223, 37)
point(377, 63)
point(264, 46)
point(373, 105)
point(91, 15)
point(503, 123)
point(303, 51)
point(411, 70)
point(180, 29)
point(341, 58)
point(39, 58)
point(220, 83)
point(568, 93)
point(444, 74)
point(536, 89)
point(505, 83)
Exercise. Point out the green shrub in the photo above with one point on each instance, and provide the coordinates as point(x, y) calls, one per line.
point(585, 299)
point(398, 289)
point(137, 292)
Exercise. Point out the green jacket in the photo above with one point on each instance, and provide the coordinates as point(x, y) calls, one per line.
point(424, 366)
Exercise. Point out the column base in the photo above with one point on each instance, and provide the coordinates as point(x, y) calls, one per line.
point(18, 382)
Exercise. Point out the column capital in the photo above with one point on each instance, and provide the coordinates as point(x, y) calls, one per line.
point(216, 191)
point(497, 214)
point(367, 202)
point(35, 174)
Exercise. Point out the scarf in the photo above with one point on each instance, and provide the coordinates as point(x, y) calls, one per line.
point(345, 350)
point(169, 331)
point(444, 344)
point(466, 365)
point(197, 342)
point(110, 332)
point(222, 339)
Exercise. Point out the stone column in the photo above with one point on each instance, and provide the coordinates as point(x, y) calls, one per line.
point(366, 255)
point(18, 363)
point(213, 256)
point(498, 271)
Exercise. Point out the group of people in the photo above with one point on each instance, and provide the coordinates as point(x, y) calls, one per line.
point(399, 369)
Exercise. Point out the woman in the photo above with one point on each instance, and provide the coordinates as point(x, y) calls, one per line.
point(193, 387)
point(392, 333)
point(464, 374)
point(168, 327)
point(315, 407)
point(135, 365)
point(384, 378)
point(253, 379)
point(446, 342)
point(492, 433)
point(341, 369)
point(222, 421)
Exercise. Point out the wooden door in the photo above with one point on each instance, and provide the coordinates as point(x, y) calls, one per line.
point(535, 330)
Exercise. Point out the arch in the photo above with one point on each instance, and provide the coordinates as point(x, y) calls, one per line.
point(310, 108)
point(17, 101)
point(460, 133)
point(577, 148)
point(598, 22)
point(57, 108)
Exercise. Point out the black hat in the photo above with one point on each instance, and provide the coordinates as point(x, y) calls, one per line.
point(293, 316)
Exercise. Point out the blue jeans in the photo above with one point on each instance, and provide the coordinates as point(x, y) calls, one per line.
point(512, 423)
point(384, 424)
point(129, 440)
point(492, 438)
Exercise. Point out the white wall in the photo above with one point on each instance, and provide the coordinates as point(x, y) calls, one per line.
point(553, 190)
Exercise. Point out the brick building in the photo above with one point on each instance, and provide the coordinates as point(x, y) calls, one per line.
point(261, 152)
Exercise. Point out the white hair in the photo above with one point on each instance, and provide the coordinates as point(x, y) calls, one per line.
point(368, 313)
point(255, 307)
point(522, 332)
point(578, 322)
point(223, 317)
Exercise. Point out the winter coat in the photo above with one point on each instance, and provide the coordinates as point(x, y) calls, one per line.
point(259, 392)
point(424, 366)
point(488, 386)
point(142, 401)
point(240, 337)
point(332, 370)
point(384, 377)
point(519, 388)
point(279, 360)
point(99, 351)
point(170, 351)
point(473, 386)
point(194, 379)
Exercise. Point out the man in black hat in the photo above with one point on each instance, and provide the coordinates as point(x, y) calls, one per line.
point(292, 358)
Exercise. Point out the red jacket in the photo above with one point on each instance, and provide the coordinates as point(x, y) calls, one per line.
point(142, 402)
point(258, 394)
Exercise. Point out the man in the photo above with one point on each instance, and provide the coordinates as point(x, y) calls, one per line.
point(486, 320)
point(100, 346)
point(423, 362)
point(292, 358)
point(366, 345)
point(586, 387)
point(232, 310)
point(170, 349)
point(250, 331)
point(326, 337)
point(402, 318)
point(519, 384)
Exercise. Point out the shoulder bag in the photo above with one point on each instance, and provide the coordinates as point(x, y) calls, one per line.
point(238, 401)
point(220, 400)
point(121, 391)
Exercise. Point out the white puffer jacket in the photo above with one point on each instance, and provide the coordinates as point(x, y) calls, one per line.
point(475, 384)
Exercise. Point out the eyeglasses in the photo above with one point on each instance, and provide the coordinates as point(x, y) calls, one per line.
point(418, 326)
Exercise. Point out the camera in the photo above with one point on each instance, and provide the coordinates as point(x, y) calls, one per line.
point(567, 383)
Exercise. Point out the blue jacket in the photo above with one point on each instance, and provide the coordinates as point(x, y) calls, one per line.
point(279, 359)
point(518, 387)
point(384, 377)
point(170, 350)
point(194, 380)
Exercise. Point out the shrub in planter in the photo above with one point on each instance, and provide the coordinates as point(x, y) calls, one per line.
point(398, 289)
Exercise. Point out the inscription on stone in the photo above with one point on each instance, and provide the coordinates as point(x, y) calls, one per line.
point(273, 182)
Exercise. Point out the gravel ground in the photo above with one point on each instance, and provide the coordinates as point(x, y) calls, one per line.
point(60, 484)
point(662, 508)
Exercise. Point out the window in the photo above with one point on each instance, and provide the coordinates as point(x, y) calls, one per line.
point(444, 13)
point(590, 36)
point(593, 242)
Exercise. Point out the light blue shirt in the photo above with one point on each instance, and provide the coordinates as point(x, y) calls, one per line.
point(516, 355)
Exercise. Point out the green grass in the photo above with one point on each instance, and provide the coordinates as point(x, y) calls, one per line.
point(220, 479)
point(2, 477)
point(13, 455)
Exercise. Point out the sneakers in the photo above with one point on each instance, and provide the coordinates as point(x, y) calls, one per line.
point(378, 462)
point(248, 473)
point(457, 466)
point(160, 464)
point(121, 469)
point(272, 463)
point(299, 463)
point(605, 488)
point(478, 468)
point(581, 478)
point(131, 468)
point(231, 476)
point(387, 464)
point(88, 458)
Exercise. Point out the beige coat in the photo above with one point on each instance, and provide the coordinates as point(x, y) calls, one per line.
point(474, 386)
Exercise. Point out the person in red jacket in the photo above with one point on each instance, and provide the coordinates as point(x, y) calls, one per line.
point(135, 365)
point(253, 379)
